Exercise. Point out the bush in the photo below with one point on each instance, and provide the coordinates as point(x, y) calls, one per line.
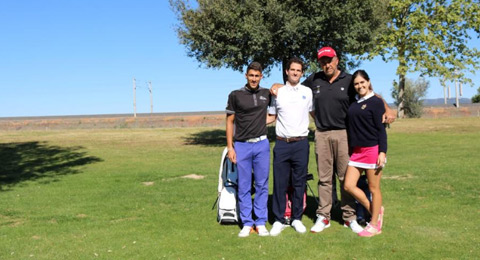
point(476, 98)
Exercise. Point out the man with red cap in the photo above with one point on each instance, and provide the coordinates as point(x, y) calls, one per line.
point(333, 93)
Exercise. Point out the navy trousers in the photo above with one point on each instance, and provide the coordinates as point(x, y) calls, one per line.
point(290, 163)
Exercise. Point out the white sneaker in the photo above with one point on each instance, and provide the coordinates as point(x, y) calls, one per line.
point(298, 226)
point(245, 232)
point(321, 224)
point(277, 228)
point(354, 226)
point(262, 231)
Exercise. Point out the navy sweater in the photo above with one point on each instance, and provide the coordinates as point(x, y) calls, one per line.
point(365, 126)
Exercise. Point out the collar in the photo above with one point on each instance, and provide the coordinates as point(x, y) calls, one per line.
point(360, 100)
point(322, 75)
point(291, 87)
point(251, 90)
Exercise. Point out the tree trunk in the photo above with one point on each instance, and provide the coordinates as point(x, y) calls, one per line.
point(402, 71)
point(284, 68)
point(401, 91)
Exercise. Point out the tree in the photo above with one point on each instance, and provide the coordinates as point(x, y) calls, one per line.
point(476, 98)
point(430, 36)
point(412, 96)
point(232, 33)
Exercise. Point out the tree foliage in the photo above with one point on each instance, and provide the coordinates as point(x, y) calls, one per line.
point(412, 96)
point(232, 33)
point(431, 37)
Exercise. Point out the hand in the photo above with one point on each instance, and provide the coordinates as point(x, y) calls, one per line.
point(382, 158)
point(389, 116)
point(274, 88)
point(232, 155)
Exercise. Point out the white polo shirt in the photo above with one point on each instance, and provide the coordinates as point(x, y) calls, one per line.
point(292, 106)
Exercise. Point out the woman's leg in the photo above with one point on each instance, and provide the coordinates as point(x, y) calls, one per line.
point(350, 185)
point(374, 177)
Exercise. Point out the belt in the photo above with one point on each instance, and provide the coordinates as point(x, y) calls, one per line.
point(291, 139)
point(256, 139)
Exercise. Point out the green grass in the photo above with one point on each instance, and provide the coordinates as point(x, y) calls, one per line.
point(82, 194)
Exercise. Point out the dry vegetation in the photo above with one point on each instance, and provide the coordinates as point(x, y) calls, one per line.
point(208, 119)
point(112, 122)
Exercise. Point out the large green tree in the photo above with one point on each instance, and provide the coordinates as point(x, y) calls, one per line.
point(430, 37)
point(232, 33)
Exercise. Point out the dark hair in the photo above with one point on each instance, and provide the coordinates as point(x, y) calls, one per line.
point(255, 66)
point(295, 60)
point(362, 74)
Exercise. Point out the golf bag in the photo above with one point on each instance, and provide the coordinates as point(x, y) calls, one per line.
point(227, 191)
point(362, 213)
point(288, 209)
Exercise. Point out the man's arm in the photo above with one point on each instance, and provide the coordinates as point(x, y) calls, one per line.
point(271, 118)
point(390, 115)
point(229, 133)
point(274, 88)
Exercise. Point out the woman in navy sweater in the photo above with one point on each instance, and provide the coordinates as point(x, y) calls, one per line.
point(368, 141)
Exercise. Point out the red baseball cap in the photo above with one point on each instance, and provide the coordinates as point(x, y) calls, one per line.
point(326, 51)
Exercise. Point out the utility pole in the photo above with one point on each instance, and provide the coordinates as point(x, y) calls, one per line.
point(151, 98)
point(445, 94)
point(134, 98)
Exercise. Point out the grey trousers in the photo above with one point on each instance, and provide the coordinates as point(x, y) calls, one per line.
point(331, 150)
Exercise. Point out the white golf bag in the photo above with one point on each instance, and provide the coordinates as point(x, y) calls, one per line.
point(227, 191)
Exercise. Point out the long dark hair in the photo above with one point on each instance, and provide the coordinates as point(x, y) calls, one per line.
point(362, 74)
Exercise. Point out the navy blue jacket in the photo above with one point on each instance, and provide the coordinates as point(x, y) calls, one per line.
point(365, 126)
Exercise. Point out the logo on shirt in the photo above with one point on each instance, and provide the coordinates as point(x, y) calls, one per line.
point(317, 89)
point(262, 98)
point(342, 89)
point(364, 106)
point(304, 97)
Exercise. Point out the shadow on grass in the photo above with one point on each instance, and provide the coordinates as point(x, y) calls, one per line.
point(39, 160)
point(311, 204)
point(308, 215)
point(217, 137)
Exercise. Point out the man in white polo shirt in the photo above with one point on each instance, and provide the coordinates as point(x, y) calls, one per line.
point(290, 108)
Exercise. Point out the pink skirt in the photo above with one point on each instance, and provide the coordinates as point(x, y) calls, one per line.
point(364, 157)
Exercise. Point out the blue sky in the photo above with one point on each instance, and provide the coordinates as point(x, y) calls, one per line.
point(79, 57)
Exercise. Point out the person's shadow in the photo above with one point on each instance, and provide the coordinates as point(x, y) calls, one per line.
point(24, 161)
